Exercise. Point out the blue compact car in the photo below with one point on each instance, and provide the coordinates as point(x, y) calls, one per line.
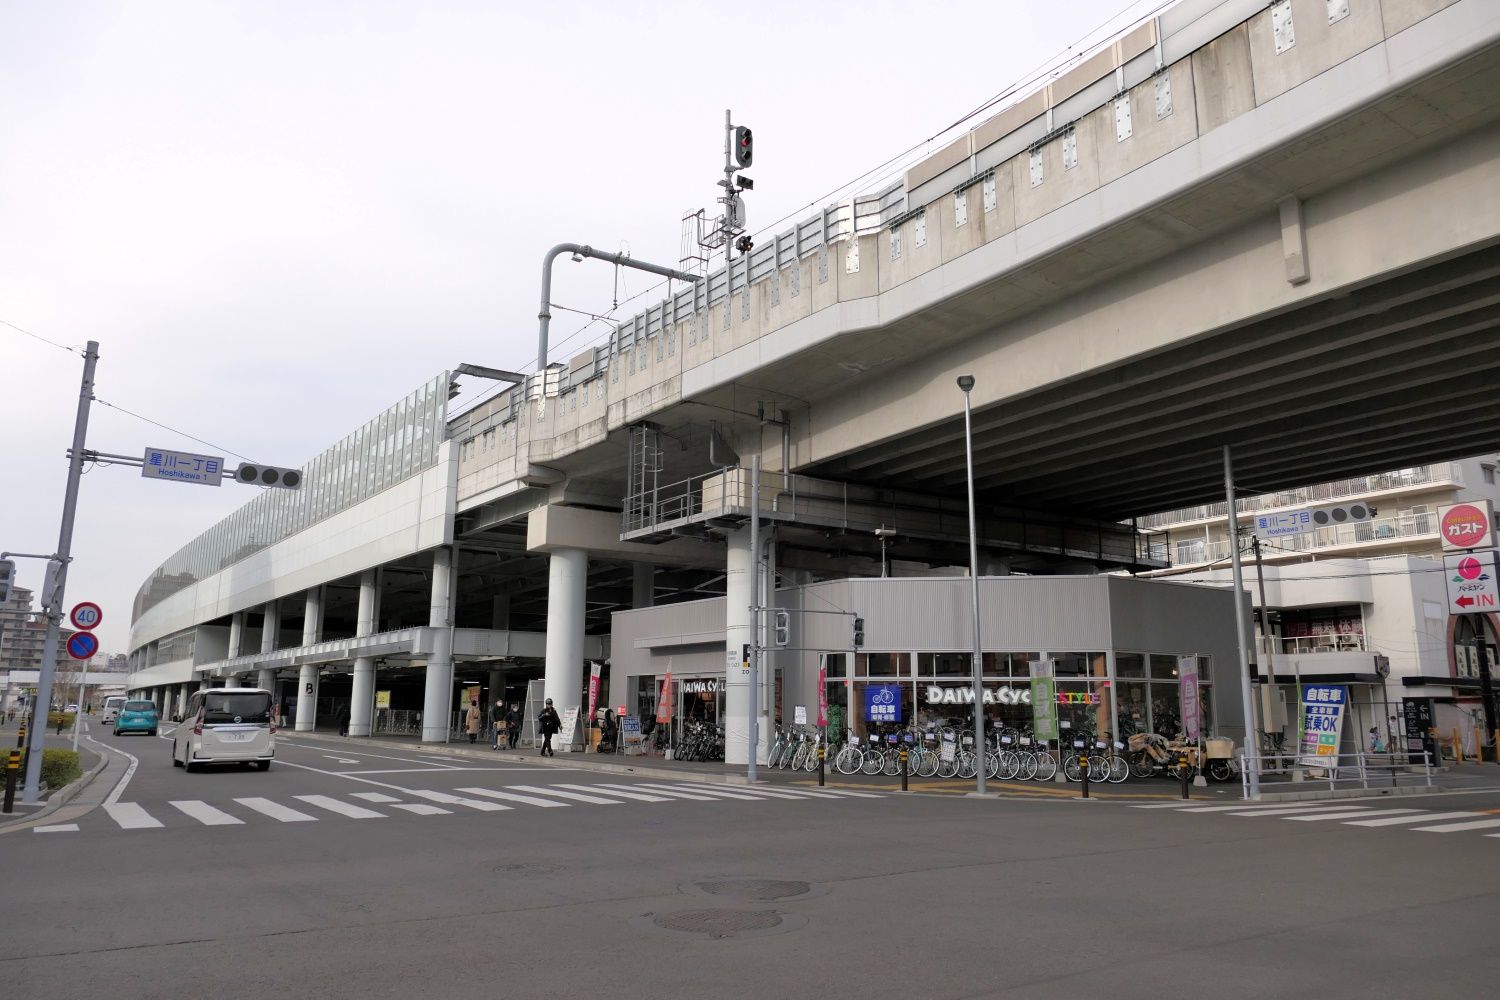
point(137, 717)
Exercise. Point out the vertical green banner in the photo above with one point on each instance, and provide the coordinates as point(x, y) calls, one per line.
point(1043, 700)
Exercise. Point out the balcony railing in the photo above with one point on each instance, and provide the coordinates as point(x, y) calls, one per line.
point(1442, 472)
point(1191, 551)
point(1328, 642)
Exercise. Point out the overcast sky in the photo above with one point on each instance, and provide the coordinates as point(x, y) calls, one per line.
point(279, 217)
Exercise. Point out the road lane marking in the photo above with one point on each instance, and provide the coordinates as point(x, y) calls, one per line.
point(676, 795)
point(1244, 807)
point(341, 760)
point(1419, 818)
point(717, 793)
point(275, 810)
point(342, 808)
point(615, 790)
point(1350, 810)
point(1478, 824)
point(119, 789)
point(131, 816)
point(421, 809)
point(1314, 817)
point(828, 793)
point(205, 813)
point(56, 828)
point(748, 792)
point(594, 799)
point(375, 797)
point(529, 800)
point(457, 800)
point(381, 756)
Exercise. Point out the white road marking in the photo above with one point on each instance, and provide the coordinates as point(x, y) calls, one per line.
point(716, 793)
point(1351, 810)
point(1315, 817)
point(342, 808)
point(119, 789)
point(529, 800)
point(1419, 818)
point(58, 828)
point(829, 793)
point(676, 795)
point(421, 809)
point(375, 797)
point(1243, 807)
point(131, 816)
point(754, 793)
point(1477, 824)
point(362, 753)
point(576, 796)
point(457, 800)
point(616, 791)
point(342, 760)
point(205, 813)
point(275, 810)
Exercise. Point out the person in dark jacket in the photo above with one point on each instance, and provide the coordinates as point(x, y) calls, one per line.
point(512, 726)
point(342, 718)
point(549, 724)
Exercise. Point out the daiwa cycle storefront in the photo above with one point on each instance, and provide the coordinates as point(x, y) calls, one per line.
point(1114, 647)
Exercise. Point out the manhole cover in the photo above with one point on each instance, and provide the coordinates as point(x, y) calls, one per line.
point(527, 869)
point(763, 889)
point(718, 923)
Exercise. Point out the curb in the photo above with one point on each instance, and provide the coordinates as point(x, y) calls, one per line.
point(56, 801)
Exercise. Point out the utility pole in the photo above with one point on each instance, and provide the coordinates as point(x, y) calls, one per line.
point(53, 606)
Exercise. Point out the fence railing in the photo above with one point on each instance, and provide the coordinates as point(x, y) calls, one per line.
point(1350, 770)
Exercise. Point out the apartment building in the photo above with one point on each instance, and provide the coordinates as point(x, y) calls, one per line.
point(1361, 603)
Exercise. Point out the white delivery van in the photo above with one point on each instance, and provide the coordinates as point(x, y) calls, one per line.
point(225, 726)
point(112, 706)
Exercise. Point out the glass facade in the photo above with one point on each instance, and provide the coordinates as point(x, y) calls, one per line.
point(396, 445)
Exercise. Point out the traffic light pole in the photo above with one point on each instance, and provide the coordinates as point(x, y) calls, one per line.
point(53, 606)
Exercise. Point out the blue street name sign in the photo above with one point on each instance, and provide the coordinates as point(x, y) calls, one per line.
point(183, 467)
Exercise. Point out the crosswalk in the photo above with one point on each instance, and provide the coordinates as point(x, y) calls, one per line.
point(1377, 816)
point(371, 805)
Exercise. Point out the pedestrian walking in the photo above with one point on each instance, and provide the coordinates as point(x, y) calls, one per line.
point(549, 724)
point(471, 722)
point(497, 722)
point(342, 718)
point(512, 726)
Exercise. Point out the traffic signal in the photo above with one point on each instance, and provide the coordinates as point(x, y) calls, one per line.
point(859, 633)
point(1342, 514)
point(744, 146)
point(783, 628)
point(7, 578)
point(268, 475)
point(452, 387)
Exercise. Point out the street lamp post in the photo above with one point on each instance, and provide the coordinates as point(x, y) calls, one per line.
point(966, 383)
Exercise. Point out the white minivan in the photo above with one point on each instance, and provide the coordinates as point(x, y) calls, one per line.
point(225, 726)
point(112, 706)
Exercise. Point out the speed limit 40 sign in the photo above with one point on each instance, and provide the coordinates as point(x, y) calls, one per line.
point(86, 616)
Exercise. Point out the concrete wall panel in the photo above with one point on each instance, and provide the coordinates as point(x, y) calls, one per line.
point(1318, 46)
point(1398, 15)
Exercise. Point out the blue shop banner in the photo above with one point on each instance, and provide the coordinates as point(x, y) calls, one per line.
point(883, 703)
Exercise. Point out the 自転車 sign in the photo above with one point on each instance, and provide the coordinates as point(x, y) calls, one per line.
point(1322, 723)
point(883, 703)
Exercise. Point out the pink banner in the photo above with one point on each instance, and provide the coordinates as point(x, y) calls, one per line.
point(823, 695)
point(594, 670)
point(664, 699)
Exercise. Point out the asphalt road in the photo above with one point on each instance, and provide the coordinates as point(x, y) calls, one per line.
point(345, 873)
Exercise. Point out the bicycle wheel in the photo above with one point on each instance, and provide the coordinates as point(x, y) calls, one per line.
point(1099, 768)
point(811, 762)
point(1010, 764)
point(1046, 765)
point(992, 764)
point(874, 762)
point(1026, 766)
point(968, 764)
point(928, 766)
point(1140, 766)
point(1071, 769)
point(847, 760)
point(947, 768)
point(1119, 768)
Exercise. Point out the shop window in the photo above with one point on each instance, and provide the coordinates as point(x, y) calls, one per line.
point(1130, 665)
point(1164, 667)
point(835, 664)
point(883, 664)
point(1008, 664)
point(900, 705)
point(944, 665)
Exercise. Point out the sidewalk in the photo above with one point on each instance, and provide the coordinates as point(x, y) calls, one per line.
point(101, 771)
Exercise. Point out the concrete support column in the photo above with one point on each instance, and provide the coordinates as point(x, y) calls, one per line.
point(266, 680)
point(312, 617)
point(270, 629)
point(567, 587)
point(362, 694)
point(642, 585)
point(737, 632)
point(307, 698)
point(182, 697)
point(500, 612)
point(438, 692)
point(236, 635)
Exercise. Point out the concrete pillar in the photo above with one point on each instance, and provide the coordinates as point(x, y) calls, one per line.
point(270, 629)
point(642, 585)
point(438, 692)
point(266, 680)
point(204, 684)
point(567, 587)
point(312, 617)
point(738, 632)
point(500, 612)
point(232, 681)
point(362, 694)
point(182, 697)
point(307, 698)
point(236, 635)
